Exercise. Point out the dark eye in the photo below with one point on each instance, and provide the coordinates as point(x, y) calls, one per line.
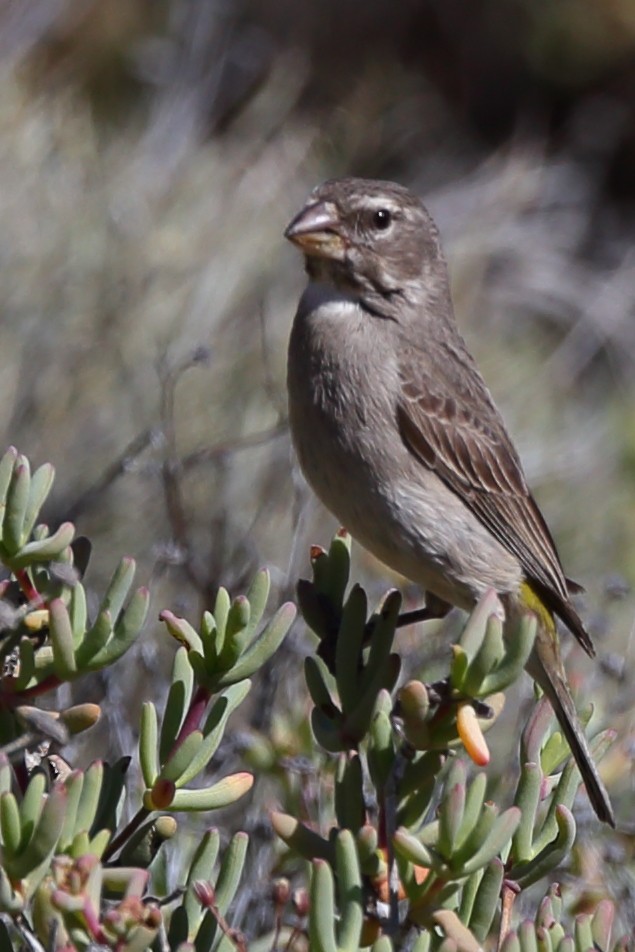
point(382, 219)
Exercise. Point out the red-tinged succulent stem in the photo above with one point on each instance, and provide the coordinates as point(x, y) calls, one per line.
point(10, 698)
point(193, 717)
point(29, 590)
point(93, 924)
point(206, 895)
point(126, 833)
point(427, 900)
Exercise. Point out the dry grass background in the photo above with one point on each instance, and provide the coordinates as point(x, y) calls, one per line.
point(150, 157)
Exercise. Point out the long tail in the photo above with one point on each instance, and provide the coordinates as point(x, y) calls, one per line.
point(545, 667)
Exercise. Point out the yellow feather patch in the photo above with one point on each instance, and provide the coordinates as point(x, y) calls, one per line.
point(534, 603)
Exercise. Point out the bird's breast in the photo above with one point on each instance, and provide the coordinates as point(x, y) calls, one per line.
point(344, 389)
point(342, 380)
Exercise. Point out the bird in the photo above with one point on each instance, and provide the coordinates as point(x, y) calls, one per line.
point(398, 435)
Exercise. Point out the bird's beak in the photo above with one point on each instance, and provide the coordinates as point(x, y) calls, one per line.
point(316, 230)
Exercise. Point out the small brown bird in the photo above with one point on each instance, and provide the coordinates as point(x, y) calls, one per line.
point(398, 435)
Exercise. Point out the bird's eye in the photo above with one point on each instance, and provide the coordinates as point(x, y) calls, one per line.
point(382, 219)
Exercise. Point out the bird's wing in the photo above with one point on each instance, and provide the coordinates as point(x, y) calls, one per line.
point(453, 427)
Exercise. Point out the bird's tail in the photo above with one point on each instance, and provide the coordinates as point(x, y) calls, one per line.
point(545, 667)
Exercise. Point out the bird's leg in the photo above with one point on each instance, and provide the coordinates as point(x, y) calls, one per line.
point(434, 607)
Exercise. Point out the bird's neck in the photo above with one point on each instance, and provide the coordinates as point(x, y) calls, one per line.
point(422, 300)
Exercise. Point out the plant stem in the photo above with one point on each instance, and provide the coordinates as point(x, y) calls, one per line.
point(127, 832)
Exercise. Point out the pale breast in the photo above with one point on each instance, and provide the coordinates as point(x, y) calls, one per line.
point(343, 386)
point(342, 394)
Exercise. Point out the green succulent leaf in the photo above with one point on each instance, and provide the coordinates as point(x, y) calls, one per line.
point(11, 901)
point(222, 607)
point(77, 613)
point(221, 794)
point(263, 648)
point(317, 679)
point(231, 869)
point(339, 564)
point(257, 596)
point(182, 631)
point(46, 549)
point(34, 857)
point(384, 625)
point(552, 854)
point(148, 737)
point(111, 782)
point(527, 800)
point(10, 826)
point(179, 760)
point(348, 647)
point(370, 860)
point(328, 731)
point(41, 484)
point(381, 746)
point(224, 705)
point(479, 834)
point(118, 587)
point(322, 915)
point(383, 944)
point(349, 792)
point(7, 465)
point(238, 635)
point(385, 678)
point(602, 924)
point(62, 640)
point(179, 697)
point(476, 626)
point(519, 646)
point(33, 800)
point(451, 810)
point(126, 630)
point(473, 807)
point(74, 784)
point(94, 640)
point(349, 889)
point(499, 837)
point(456, 932)
point(6, 773)
point(485, 905)
point(486, 659)
point(301, 839)
point(16, 502)
point(201, 868)
point(412, 849)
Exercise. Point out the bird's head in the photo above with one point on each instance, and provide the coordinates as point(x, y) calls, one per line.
point(370, 238)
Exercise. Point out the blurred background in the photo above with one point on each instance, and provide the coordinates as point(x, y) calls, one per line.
point(151, 154)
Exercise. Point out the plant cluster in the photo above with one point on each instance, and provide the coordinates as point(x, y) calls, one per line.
point(418, 855)
point(72, 877)
point(407, 849)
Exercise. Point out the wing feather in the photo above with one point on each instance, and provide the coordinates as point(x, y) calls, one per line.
point(454, 428)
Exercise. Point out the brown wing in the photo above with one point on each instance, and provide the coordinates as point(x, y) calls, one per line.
point(452, 426)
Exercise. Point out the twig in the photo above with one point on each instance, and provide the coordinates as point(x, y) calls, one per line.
point(117, 468)
point(217, 452)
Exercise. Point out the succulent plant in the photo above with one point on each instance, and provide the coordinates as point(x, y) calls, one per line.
point(71, 877)
point(410, 852)
point(417, 852)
